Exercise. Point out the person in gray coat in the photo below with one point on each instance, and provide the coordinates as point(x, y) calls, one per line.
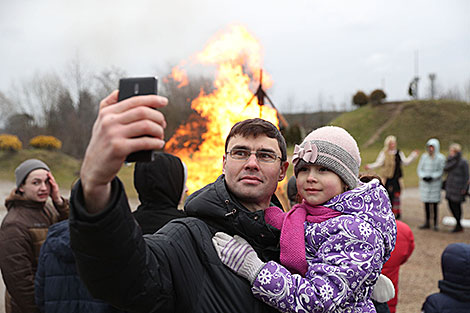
point(456, 183)
point(430, 171)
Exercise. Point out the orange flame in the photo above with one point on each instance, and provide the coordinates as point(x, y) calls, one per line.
point(180, 76)
point(236, 54)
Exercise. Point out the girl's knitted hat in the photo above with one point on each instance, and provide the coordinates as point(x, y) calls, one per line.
point(334, 148)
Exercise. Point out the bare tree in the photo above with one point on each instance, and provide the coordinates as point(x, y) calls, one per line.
point(467, 91)
point(6, 109)
point(452, 94)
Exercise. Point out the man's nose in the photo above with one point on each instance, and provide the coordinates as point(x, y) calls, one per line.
point(252, 161)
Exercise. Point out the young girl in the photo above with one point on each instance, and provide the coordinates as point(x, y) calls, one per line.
point(333, 244)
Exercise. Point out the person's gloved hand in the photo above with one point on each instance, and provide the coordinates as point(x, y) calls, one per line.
point(236, 253)
point(427, 179)
point(383, 290)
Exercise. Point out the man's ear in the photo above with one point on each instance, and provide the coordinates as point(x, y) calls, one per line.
point(21, 189)
point(224, 160)
point(283, 170)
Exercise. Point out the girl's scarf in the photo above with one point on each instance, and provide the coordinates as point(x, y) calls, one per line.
point(291, 224)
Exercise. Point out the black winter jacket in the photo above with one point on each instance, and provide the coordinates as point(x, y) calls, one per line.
point(159, 185)
point(457, 178)
point(454, 295)
point(58, 287)
point(176, 269)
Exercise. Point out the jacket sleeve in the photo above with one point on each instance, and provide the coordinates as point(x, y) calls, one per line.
point(407, 160)
point(113, 259)
point(379, 161)
point(64, 209)
point(39, 279)
point(439, 170)
point(419, 169)
point(334, 278)
point(466, 175)
point(16, 263)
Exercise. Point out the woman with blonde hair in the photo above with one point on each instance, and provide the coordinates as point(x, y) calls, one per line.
point(390, 160)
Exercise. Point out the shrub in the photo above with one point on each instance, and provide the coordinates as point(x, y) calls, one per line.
point(45, 142)
point(10, 142)
point(377, 96)
point(360, 98)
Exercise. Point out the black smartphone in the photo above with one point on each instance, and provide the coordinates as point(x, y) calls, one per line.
point(137, 86)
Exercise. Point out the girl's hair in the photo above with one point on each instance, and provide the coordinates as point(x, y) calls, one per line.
point(365, 178)
point(388, 140)
point(456, 147)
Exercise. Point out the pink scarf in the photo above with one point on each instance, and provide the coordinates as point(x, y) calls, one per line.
point(291, 224)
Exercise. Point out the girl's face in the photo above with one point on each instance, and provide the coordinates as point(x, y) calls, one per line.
point(317, 184)
point(36, 186)
point(430, 149)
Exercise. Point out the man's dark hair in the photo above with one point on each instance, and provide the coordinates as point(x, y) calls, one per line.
point(255, 127)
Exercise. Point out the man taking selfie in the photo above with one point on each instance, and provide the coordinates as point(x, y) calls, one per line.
point(176, 269)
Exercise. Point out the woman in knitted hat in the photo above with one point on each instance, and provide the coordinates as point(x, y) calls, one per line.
point(24, 229)
point(333, 244)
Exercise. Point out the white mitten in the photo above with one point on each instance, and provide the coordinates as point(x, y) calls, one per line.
point(383, 290)
point(236, 253)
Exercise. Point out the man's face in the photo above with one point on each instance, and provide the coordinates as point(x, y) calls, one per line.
point(36, 186)
point(251, 181)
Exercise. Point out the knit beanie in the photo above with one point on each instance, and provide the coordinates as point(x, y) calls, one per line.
point(331, 147)
point(23, 170)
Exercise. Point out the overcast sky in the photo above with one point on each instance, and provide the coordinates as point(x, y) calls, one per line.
point(316, 51)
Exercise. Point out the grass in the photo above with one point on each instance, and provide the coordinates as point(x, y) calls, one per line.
point(64, 168)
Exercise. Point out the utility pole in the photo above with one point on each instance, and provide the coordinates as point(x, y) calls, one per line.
point(432, 78)
point(416, 73)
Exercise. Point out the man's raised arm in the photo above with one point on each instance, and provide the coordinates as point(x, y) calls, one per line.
point(119, 129)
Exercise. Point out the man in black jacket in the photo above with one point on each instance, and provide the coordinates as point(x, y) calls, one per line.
point(176, 269)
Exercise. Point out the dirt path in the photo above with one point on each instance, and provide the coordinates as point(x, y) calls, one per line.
point(418, 277)
point(393, 116)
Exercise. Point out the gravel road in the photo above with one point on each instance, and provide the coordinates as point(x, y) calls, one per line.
point(418, 277)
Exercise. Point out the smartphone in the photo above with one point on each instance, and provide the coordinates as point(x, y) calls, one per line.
point(137, 86)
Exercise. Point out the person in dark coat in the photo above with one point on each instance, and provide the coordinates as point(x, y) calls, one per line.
point(456, 183)
point(177, 268)
point(161, 185)
point(58, 287)
point(454, 295)
point(24, 229)
point(292, 193)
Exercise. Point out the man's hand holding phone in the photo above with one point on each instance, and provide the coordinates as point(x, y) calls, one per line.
point(121, 128)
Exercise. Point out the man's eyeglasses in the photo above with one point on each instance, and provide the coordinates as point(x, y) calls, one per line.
point(261, 156)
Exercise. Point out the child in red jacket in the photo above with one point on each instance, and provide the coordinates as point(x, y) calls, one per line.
point(403, 248)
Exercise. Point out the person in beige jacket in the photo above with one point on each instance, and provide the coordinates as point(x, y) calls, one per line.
point(24, 229)
point(390, 161)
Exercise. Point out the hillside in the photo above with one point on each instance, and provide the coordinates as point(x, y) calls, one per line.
point(65, 168)
point(416, 122)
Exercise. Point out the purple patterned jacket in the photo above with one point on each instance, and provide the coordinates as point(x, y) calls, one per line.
point(345, 255)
